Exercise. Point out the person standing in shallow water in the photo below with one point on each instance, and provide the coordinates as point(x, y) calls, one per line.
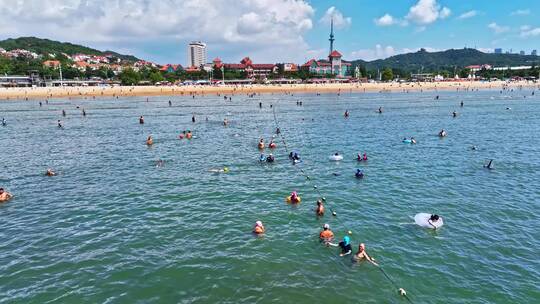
point(361, 254)
point(193, 118)
point(141, 120)
point(320, 208)
point(345, 246)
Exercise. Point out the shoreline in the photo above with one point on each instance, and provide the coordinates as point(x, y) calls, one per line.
point(27, 93)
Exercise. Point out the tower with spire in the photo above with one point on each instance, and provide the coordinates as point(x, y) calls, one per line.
point(331, 35)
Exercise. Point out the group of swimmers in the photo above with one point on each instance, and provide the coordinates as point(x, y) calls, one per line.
point(271, 145)
point(186, 134)
point(269, 159)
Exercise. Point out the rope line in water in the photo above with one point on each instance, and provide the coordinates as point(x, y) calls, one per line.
point(401, 290)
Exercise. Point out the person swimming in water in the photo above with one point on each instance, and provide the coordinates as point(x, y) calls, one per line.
point(454, 114)
point(359, 173)
point(442, 133)
point(489, 165)
point(294, 197)
point(4, 195)
point(270, 158)
point(4, 122)
point(346, 113)
point(272, 144)
point(461, 104)
point(60, 124)
point(149, 140)
point(262, 158)
point(278, 131)
point(433, 219)
point(258, 228)
point(193, 118)
point(326, 235)
point(380, 110)
point(361, 158)
point(361, 254)
point(413, 141)
point(50, 172)
point(345, 246)
point(141, 120)
point(320, 208)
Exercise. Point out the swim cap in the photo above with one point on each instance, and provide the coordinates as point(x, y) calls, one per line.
point(326, 226)
point(346, 240)
point(258, 223)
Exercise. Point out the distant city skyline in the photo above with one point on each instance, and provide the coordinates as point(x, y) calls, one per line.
point(277, 30)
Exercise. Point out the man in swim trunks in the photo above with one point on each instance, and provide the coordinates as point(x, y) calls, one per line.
point(361, 254)
point(4, 195)
point(326, 235)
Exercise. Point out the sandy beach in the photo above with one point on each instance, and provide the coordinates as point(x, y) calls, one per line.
point(107, 91)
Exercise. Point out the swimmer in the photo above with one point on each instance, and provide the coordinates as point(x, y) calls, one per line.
point(433, 219)
point(225, 122)
point(270, 158)
point(359, 173)
point(320, 208)
point(278, 131)
point(159, 163)
point(4, 123)
point(224, 170)
point(182, 135)
point(193, 118)
point(380, 110)
point(442, 133)
point(489, 165)
point(141, 120)
point(262, 158)
point(170, 103)
point(50, 172)
point(345, 246)
point(461, 104)
point(361, 254)
point(346, 113)
point(474, 148)
point(258, 228)
point(189, 135)
point(413, 141)
point(64, 113)
point(294, 197)
point(454, 114)
point(4, 195)
point(83, 112)
point(149, 140)
point(326, 235)
point(261, 144)
point(60, 124)
point(272, 145)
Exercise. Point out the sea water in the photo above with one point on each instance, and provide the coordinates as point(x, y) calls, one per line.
point(112, 227)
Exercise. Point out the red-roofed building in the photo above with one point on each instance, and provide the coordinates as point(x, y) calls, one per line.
point(246, 65)
point(334, 65)
point(171, 68)
point(51, 64)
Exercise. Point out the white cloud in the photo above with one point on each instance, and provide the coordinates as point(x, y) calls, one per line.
point(258, 28)
point(498, 29)
point(385, 20)
point(426, 12)
point(468, 15)
point(527, 31)
point(340, 21)
point(521, 12)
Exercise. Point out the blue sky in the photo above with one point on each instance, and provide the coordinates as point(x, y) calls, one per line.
point(276, 30)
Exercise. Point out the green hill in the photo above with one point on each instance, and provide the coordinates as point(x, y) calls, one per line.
point(46, 46)
point(447, 60)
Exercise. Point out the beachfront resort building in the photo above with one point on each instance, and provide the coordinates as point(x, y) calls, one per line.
point(196, 54)
point(333, 66)
point(252, 70)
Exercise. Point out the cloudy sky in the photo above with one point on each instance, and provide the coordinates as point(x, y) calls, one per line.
point(276, 30)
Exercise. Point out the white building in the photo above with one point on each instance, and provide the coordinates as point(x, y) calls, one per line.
point(196, 54)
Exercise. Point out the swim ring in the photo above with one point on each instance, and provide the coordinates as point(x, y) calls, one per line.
point(298, 200)
point(336, 157)
point(421, 219)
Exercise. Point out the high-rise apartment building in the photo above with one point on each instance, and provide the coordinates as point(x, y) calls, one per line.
point(196, 54)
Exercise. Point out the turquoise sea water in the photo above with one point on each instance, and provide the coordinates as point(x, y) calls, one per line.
point(114, 228)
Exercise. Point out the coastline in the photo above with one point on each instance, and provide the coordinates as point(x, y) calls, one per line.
point(27, 93)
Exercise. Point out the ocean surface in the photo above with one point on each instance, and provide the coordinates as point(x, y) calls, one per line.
point(113, 227)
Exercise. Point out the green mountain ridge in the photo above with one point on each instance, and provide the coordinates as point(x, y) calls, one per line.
point(46, 46)
point(449, 60)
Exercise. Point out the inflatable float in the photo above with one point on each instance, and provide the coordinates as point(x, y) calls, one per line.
point(422, 220)
point(297, 201)
point(336, 157)
point(407, 141)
